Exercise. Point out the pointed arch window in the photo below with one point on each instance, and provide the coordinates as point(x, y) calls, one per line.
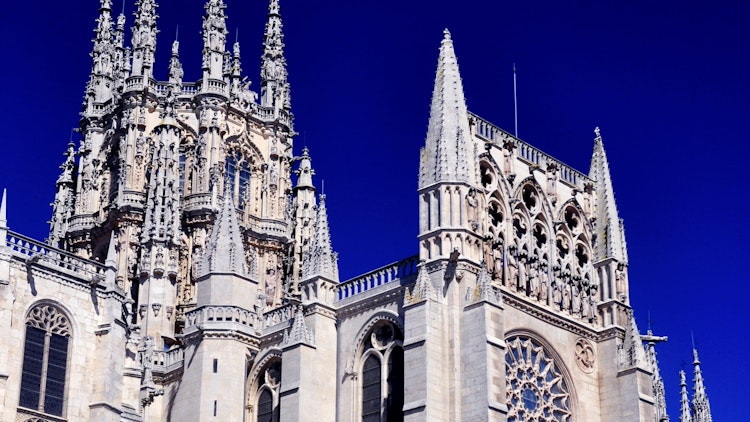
point(238, 176)
point(267, 398)
point(45, 361)
point(382, 375)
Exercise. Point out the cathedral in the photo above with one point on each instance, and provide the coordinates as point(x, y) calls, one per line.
point(189, 273)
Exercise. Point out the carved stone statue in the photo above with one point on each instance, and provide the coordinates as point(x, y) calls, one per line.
point(147, 361)
point(472, 206)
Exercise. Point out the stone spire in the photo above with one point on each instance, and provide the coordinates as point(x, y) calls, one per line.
point(103, 55)
point(214, 40)
point(448, 155)
point(609, 227)
point(175, 67)
point(701, 407)
point(144, 38)
point(321, 260)
point(274, 88)
point(63, 207)
point(225, 252)
point(684, 401)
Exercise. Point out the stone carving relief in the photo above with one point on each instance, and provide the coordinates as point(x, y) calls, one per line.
point(585, 356)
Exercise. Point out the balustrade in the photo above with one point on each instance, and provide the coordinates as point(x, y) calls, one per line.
point(397, 271)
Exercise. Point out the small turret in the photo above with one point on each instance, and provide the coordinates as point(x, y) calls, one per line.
point(100, 85)
point(144, 39)
point(214, 41)
point(274, 88)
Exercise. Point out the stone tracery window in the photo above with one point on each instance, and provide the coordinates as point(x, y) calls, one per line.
point(268, 408)
point(238, 176)
point(382, 375)
point(45, 360)
point(536, 388)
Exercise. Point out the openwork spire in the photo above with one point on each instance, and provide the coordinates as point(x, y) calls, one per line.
point(225, 252)
point(321, 260)
point(448, 155)
point(701, 407)
point(610, 231)
point(275, 90)
point(144, 38)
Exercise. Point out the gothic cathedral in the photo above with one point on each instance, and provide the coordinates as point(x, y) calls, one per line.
point(189, 273)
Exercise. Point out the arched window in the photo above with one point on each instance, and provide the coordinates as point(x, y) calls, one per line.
point(238, 177)
point(268, 409)
point(45, 361)
point(382, 375)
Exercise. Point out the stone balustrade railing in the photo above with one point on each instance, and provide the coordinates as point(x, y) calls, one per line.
point(267, 226)
point(81, 222)
point(492, 133)
point(403, 271)
point(222, 314)
point(169, 360)
point(278, 315)
point(197, 201)
point(35, 251)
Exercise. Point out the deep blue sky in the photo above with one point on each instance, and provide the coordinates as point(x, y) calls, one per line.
point(667, 82)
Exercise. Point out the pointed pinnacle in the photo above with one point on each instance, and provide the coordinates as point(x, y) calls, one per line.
point(3, 212)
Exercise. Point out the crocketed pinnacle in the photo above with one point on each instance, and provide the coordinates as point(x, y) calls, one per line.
point(684, 401)
point(484, 290)
point(214, 39)
point(299, 333)
point(275, 90)
point(610, 231)
point(633, 346)
point(321, 260)
point(103, 55)
point(225, 251)
point(659, 391)
point(144, 38)
point(3, 212)
point(701, 407)
point(448, 155)
point(305, 171)
point(423, 288)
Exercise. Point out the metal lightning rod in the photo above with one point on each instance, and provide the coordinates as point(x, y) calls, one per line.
point(515, 100)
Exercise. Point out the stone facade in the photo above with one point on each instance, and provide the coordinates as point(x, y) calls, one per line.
point(188, 275)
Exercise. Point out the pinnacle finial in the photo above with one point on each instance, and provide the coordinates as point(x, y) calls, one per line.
point(320, 259)
point(597, 132)
point(446, 34)
point(3, 212)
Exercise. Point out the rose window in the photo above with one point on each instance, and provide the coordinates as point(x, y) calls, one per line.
point(536, 389)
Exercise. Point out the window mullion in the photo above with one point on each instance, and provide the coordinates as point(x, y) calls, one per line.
point(45, 362)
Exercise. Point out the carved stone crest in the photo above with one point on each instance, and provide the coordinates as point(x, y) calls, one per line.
point(585, 356)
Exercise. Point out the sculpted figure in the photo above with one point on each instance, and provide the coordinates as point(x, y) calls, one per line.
point(270, 286)
point(576, 298)
point(512, 267)
point(522, 273)
point(472, 206)
point(147, 360)
point(534, 279)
